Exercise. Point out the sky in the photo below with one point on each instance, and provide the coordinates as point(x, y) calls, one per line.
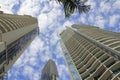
point(52, 22)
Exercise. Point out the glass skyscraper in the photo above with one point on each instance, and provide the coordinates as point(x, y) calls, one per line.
point(16, 33)
point(91, 53)
point(49, 71)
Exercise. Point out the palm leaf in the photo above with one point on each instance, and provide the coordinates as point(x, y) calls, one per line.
point(71, 5)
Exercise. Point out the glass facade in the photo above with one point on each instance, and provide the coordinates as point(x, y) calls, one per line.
point(20, 43)
point(15, 47)
point(72, 68)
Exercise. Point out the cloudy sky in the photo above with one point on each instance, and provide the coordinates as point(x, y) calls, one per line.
point(50, 15)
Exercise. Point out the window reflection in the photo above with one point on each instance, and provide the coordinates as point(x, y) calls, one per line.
point(71, 65)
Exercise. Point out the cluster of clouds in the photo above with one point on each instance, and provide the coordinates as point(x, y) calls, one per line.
point(52, 22)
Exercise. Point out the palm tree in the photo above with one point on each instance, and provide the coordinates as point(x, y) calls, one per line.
point(74, 5)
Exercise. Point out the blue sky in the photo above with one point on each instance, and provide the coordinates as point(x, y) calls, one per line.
point(51, 20)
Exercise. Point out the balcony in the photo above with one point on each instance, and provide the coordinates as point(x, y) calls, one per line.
point(98, 54)
point(107, 75)
point(109, 62)
point(99, 71)
point(88, 57)
point(104, 57)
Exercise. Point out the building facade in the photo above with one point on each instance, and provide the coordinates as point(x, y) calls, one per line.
point(91, 53)
point(49, 71)
point(16, 33)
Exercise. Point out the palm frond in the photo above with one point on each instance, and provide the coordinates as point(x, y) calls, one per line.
point(71, 5)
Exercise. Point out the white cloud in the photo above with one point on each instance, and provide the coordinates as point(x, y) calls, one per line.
point(36, 76)
point(99, 21)
point(6, 5)
point(113, 20)
point(28, 71)
point(116, 5)
point(91, 19)
point(62, 69)
point(105, 7)
point(92, 3)
point(43, 21)
point(67, 23)
point(83, 18)
point(30, 7)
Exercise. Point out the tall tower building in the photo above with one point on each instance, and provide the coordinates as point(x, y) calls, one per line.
point(49, 71)
point(91, 53)
point(16, 33)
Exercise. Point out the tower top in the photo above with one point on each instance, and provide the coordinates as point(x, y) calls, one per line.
point(50, 70)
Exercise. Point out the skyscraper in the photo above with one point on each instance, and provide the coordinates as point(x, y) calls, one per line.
point(91, 53)
point(16, 33)
point(49, 71)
